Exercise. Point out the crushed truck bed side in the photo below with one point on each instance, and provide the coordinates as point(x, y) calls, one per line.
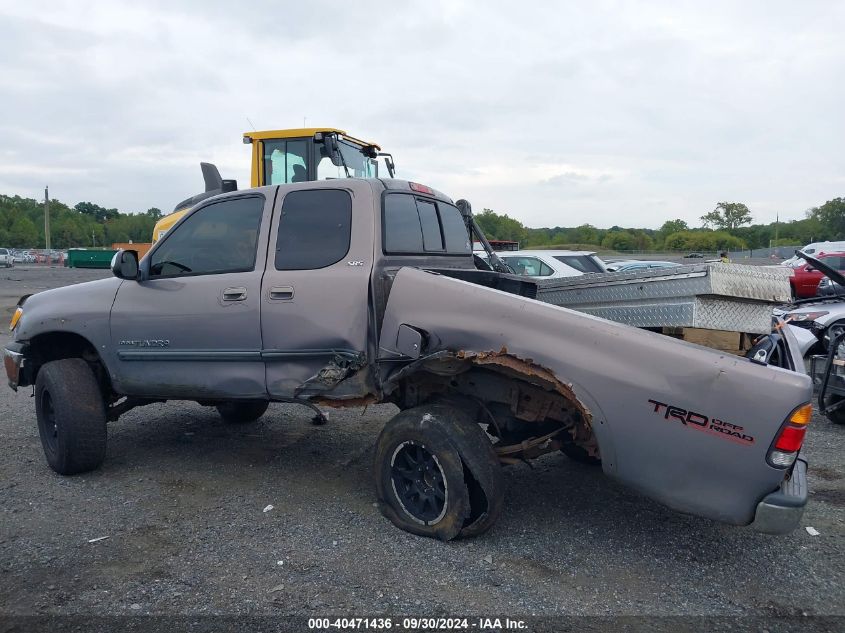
point(686, 425)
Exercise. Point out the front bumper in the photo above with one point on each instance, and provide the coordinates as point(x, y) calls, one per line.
point(13, 361)
point(780, 512)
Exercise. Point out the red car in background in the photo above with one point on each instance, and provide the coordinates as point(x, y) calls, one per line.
point(805, 279)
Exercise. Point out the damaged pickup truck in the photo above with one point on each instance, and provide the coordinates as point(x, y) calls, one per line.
point(347, 292)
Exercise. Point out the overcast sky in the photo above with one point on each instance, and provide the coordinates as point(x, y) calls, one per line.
point(556, 113)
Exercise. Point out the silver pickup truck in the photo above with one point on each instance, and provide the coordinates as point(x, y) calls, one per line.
point(347, 292)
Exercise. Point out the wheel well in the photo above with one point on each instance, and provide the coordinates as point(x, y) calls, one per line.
point(51, 346)
point(517, 398)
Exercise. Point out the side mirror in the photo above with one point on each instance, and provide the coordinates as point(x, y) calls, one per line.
point(388, 161)
point(124, 264)
point(332, 149)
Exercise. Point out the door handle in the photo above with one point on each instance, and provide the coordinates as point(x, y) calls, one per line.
point(234, 294)
point(281, 293)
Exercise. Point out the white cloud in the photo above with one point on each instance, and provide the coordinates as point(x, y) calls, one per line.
point(556, 113)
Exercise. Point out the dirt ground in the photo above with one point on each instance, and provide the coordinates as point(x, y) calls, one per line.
point(176, 522)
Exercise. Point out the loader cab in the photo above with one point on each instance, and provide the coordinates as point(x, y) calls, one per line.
point(304, 154)
point(294, 155)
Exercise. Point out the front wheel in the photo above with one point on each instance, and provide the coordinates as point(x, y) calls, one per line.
point(71, 416)
point(235, 412)
point(437, 474)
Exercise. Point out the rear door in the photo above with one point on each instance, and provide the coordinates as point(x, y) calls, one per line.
point(315, 293)
point(192, 327)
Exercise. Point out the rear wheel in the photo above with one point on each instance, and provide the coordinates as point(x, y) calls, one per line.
point(237, 412)
point(837, 416)
point(437, 474)
point(71, 416)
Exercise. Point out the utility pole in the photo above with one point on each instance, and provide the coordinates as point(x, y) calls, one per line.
point(47, 221)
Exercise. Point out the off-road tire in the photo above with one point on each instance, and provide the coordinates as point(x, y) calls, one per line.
point(71, 416)
point(242, 412)
point(464, 480)
point(838, 415)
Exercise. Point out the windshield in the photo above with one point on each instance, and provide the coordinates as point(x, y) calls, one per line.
point(584, 263)
point(359, 166)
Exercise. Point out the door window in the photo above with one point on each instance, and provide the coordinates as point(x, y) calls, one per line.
point(219, 238)
point(314, 229)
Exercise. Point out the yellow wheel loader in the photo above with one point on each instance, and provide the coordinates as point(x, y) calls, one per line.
point(295, 155)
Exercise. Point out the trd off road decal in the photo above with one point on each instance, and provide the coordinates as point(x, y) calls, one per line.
point(701, 422)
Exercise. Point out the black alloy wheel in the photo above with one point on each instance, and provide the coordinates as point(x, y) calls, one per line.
point(419, 482)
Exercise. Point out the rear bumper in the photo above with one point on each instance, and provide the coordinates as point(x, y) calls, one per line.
point(13, 361)
point(780, 512)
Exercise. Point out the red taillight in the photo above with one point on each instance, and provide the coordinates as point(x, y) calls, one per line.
point(791, 438)
point(785, 448)
point(415, 186)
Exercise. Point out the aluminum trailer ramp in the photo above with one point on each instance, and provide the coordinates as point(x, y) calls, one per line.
point(711, 296)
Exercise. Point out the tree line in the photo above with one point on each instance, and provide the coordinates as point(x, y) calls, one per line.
point(727, 227)
point(83, 225)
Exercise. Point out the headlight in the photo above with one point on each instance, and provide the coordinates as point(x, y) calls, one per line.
point(804, 316)
point(15, 318)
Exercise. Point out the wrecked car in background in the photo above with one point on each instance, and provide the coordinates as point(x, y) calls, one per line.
point(348, 292)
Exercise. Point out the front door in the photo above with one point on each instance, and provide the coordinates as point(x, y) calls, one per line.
point(315, 294)
point(191, 328)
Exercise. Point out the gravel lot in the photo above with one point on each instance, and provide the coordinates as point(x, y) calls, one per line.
point(181, 499)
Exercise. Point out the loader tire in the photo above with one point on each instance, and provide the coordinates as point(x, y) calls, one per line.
point(71, 415)
point(437, 474)
point(238, 412)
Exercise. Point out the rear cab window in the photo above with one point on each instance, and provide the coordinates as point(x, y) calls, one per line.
point(415, 225)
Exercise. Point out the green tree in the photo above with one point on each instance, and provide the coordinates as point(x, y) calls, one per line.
point(622, 240)
point(831, 218)
point(727, 215)
point(23, 233)
point(501, 226)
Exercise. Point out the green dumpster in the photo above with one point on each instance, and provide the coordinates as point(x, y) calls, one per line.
point(89, 258)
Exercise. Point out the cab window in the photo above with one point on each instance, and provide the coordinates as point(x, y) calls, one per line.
point(285, 161)
point(219, 238)
point(421, 226)
point(315, 229)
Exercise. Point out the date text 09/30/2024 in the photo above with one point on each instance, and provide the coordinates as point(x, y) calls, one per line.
point(415, 624)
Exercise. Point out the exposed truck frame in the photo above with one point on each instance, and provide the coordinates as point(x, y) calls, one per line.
point(483, 374)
